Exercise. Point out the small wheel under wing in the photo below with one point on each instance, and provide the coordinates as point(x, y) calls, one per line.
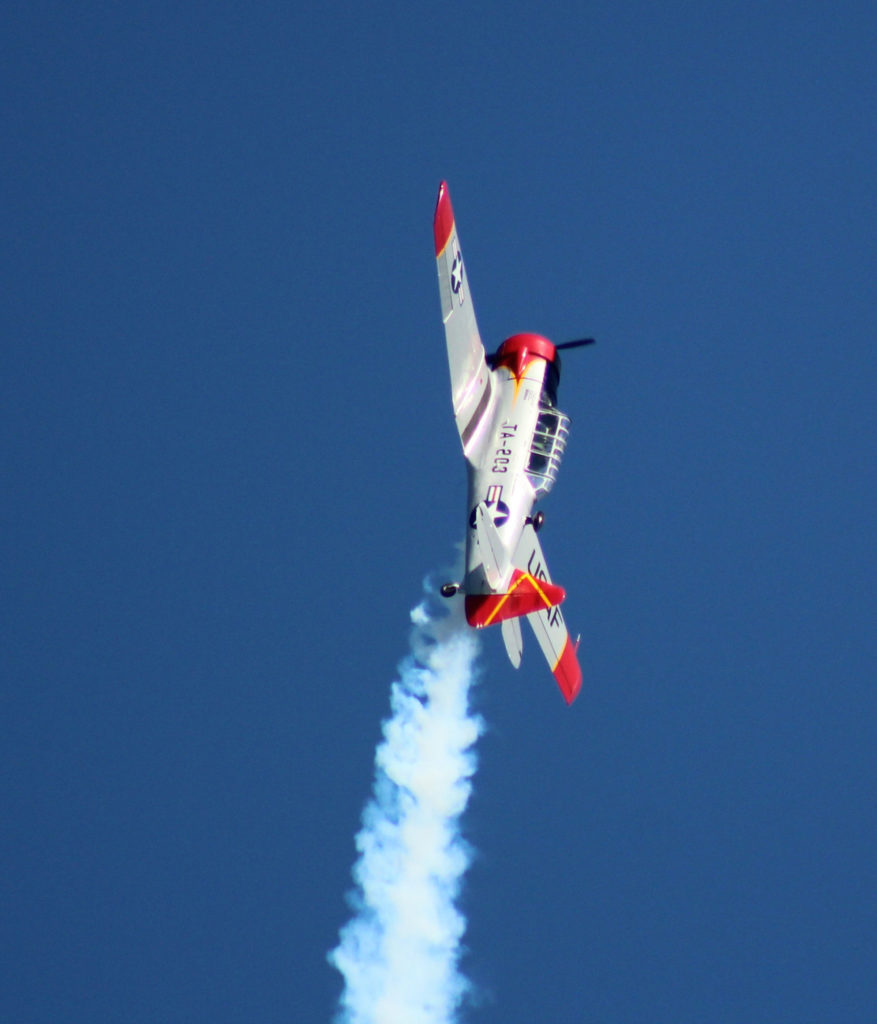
point(449, 589)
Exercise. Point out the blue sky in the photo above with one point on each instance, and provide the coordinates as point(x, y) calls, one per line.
point(229, 461)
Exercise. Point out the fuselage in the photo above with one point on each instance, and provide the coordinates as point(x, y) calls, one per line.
point(515, 452)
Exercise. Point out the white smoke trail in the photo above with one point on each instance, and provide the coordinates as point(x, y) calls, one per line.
point(399, 954)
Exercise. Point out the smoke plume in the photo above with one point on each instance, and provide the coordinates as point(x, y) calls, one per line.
point(400, 952)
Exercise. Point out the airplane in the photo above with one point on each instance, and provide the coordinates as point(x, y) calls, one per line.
point(513, 437)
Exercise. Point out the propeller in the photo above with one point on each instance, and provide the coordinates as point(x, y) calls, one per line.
point(577, 343)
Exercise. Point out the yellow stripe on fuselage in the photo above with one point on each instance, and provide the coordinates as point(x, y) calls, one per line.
point(521, 579)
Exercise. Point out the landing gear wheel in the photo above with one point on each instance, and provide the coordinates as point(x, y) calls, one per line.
point(449, 589)
point(538, 520)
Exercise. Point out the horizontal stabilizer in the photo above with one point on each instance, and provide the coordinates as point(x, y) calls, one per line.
point(525, 595)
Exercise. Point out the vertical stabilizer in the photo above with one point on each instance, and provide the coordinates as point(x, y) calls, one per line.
point(513, 640)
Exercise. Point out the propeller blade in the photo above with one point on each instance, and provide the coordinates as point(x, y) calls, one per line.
point(576, 344)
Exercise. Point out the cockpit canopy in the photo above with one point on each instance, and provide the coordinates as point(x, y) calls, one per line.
point(547, 448)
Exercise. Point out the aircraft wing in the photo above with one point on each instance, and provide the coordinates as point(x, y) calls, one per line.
point(471, 380)
point(549, 625)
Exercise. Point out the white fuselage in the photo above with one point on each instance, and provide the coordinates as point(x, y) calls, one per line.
point(497, 465)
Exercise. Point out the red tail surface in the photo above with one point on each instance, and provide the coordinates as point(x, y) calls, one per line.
point(525, 594)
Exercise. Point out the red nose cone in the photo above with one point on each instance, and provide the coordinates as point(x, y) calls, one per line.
point(518, 351)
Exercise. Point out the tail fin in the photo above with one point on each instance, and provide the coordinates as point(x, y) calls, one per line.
point(525, 595)
point(514, 642)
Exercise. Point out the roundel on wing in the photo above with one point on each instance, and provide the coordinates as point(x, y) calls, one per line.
point(457, 273)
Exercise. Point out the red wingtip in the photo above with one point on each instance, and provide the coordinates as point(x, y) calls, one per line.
point(568, 672)
point(443, 222)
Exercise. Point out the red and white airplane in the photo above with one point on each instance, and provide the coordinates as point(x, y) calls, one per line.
point(513, 438)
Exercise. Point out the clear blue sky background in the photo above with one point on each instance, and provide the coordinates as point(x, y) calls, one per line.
point(228, 460)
